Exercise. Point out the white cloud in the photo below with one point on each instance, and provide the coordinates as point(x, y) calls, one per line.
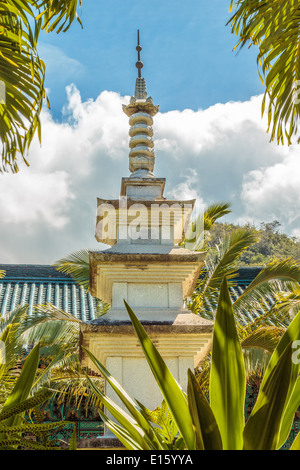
point(35, 198)
point(273, 192)
point(218, 154)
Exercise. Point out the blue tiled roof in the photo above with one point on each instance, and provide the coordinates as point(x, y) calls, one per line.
point(40, 284)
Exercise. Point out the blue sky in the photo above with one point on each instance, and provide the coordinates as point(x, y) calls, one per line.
point(210, 140)
point(187, 53)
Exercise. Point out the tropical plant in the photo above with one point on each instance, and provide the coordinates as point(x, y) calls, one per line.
point(273, 26)
point(12, 349)
point(22, 75)
point(22, 72)
point(262, 301)
point(77, 265)
point(58, 332)
point(14, 428)
point(262, 310)
point(218, 423)
point(198, 229)
point(163, 421)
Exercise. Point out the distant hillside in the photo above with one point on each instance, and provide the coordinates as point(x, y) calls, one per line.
point(273, 244)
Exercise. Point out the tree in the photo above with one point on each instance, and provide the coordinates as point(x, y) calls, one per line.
point(22, 72)
point(272, 244)
point(273, 26)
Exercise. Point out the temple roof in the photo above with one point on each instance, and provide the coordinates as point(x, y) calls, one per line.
point(39, 284)
point(33, 284)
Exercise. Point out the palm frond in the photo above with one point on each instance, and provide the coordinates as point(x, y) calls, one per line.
point(77, 265)
point(22, 75)
point(264, 337)
point(288, 304)
point(197, 229)
point(58, 15)
point(262, 298)
point(273, 26)
point(214, 212)
point(10, 330)
point(219, 263)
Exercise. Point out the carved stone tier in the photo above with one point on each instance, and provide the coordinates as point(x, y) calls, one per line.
point(145, 277)
point(151, 221)
point(140, 112)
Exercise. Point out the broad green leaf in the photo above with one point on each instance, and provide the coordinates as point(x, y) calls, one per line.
point(263, 426)
point(227, 377)
point(291, 334)
point(207, 432)
point(171, 391)
point(23, 386)
point(291, 407)
point(296, 444)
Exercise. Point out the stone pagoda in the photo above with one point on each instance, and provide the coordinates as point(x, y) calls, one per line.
point(146, 266)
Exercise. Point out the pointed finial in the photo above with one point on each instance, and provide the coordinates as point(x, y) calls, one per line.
point(139, 65)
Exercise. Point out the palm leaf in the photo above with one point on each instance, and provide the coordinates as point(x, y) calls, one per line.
point(77, 265)
point(264, 291)
point(58, 15)
point(217, 265)
point(214, 212)
point(273, 26)
point(264, 337)
point(22, 75)
point(196, 230)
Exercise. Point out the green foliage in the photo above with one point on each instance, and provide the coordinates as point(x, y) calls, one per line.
point(197, 229)
point(77, 265)
point(273, 26)
point(58, 15)
point(220, 423)
point(271, 243)
point(22, 72)
point(22, 75)
point(227, 376)
point(14, 428)
point(163, 421)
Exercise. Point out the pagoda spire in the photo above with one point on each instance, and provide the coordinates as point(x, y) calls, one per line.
point(140, 112)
